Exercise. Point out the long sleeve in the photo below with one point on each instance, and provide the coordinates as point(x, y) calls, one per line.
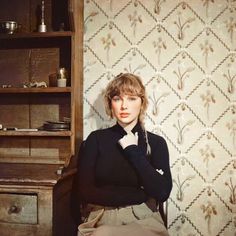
point(91, 192)
point(156, 184)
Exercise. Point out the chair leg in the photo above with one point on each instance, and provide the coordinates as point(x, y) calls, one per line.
point(163, 212)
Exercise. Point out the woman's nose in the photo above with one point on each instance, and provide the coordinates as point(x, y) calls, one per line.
point(124, 104)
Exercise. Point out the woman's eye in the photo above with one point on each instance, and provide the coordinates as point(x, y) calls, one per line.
point(116, 98)
point(132, 98)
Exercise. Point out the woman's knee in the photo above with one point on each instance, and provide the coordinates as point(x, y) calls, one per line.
point(103, 230)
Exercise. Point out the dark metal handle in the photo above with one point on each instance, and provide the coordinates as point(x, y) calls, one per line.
point(14, 209)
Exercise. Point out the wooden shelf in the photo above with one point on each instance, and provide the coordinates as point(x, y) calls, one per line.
point(36, 90)
point(36, 133)
point(37, 168)
point(52, 34)
point(55, 160)
point(24, 172)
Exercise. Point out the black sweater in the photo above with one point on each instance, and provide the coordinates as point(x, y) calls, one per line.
point(111, 176)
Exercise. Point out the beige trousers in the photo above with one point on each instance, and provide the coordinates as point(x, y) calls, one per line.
point(136, 220)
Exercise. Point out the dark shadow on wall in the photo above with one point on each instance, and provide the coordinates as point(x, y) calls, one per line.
point(97, 117)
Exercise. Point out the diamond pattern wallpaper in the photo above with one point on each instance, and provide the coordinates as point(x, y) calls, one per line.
point(185, 53)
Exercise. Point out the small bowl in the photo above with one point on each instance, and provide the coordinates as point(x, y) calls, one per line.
point(8, 27)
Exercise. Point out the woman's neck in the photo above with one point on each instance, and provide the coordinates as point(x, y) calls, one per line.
point(128, 127)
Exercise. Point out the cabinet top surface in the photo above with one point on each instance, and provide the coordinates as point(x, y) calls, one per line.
point(29, 173)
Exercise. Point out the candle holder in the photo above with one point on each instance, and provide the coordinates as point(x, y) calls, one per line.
point(42, 27)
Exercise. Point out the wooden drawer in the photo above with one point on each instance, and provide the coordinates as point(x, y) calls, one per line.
point(18, 208)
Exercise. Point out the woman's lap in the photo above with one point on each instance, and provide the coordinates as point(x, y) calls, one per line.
point(137, 220)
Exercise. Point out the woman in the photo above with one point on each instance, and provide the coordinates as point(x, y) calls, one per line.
point(124, 169)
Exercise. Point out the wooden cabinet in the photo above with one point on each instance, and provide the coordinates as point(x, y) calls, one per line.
point(37, 165)
point(35, 200)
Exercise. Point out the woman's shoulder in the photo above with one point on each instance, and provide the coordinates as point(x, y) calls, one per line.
point(155, 137)
point(99, 132)
point(101, 137)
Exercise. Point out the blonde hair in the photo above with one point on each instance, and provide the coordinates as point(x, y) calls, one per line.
point(126, 83)
point(131, 84)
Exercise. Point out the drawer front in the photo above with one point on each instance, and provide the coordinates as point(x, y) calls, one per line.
point(18, 208)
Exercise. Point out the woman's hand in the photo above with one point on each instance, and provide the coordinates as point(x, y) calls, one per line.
point(129, 139)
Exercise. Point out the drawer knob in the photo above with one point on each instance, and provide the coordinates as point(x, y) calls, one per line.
point(14, 209)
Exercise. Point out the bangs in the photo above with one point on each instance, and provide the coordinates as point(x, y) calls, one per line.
point(126, 86)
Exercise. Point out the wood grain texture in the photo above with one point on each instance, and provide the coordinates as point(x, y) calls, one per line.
point(37, 168)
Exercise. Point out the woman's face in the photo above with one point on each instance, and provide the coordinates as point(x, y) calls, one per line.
point(126, 109)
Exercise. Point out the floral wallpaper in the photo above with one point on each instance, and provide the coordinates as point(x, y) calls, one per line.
point(185, 52)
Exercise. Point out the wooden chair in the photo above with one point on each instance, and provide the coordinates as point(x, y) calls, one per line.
point(163, 212)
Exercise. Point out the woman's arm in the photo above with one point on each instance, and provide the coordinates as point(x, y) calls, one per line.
point(155, 175)
point(106, 195)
